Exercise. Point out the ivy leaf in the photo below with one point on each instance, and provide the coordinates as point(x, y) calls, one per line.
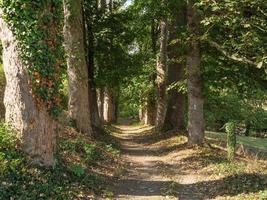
point(260, 64)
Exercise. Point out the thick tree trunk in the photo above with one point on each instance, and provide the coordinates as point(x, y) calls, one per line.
point(36, 130)
point(195, 96)
point(176, 100)
point(162, 76)
point(79, 105)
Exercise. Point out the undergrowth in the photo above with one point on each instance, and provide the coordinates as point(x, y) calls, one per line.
point(76, 174)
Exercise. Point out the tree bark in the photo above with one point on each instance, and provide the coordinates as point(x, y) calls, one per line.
point(100, 103)
point(36, 130)
point(95, 118)
point(176, 100)
point(147, 112)
point(79, 105)
point(195, 97)
point(109, 106)
point(162, 76)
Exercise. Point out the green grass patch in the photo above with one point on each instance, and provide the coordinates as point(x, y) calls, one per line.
point(259, 143)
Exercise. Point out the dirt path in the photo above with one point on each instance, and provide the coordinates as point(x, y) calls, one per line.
point(163, 166)
point(149, 172)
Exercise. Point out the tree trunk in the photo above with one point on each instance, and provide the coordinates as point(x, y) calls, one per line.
point(162, 76)
point(36, 130)
point(109, 106)
point(79, 105)
point(176, 100)
point(141, 115)
point(148, 112)
point(95, 118)
point(100, 103)
point(195, 96)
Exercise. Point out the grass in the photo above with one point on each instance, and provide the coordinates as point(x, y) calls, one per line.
point(259, 143)
point(242, 179)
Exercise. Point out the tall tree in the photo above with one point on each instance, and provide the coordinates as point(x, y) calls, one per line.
point(162, 75)
point(196, 123)
point(32, 64)
point(176, 67)
point(79, 105)
point(109, 107)
point(90, 10)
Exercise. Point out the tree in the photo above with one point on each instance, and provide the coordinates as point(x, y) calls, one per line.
point(79, 105)
point(175, 115)
point(109, 106)
point(196, 124)
point(90, 11)
point(162, 75)
point(32, 59)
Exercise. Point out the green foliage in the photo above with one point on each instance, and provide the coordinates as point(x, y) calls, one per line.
point(7, 138)
point(91, 152)
point(230, 168)
point(8, 142)
point(230, 128)
point(77, 170)
point(69, 179)
point(40, 46)
point(225, 105)
point(263, 195)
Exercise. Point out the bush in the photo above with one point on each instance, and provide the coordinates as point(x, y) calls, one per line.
point(69, 179)
point(220, 108)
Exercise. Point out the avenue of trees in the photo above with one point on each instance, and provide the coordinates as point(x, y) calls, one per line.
point(180, 65)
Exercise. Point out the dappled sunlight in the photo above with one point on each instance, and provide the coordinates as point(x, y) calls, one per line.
point(168, 168)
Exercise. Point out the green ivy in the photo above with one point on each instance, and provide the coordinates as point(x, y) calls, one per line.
point(37, 28)
point(231, 139)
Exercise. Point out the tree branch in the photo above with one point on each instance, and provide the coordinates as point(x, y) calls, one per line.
point(231, 57)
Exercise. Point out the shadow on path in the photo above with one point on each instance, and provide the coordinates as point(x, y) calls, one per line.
point(145, 177)
point(200, 190)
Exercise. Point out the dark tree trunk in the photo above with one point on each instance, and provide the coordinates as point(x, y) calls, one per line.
point(95, 118)
point(176, 100)
point(196, 124)
point(100, 103)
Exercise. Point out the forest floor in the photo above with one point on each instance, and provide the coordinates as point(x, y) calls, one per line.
point(164, 167)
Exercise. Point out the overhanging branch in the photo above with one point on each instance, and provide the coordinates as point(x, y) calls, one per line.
point(229, 56)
